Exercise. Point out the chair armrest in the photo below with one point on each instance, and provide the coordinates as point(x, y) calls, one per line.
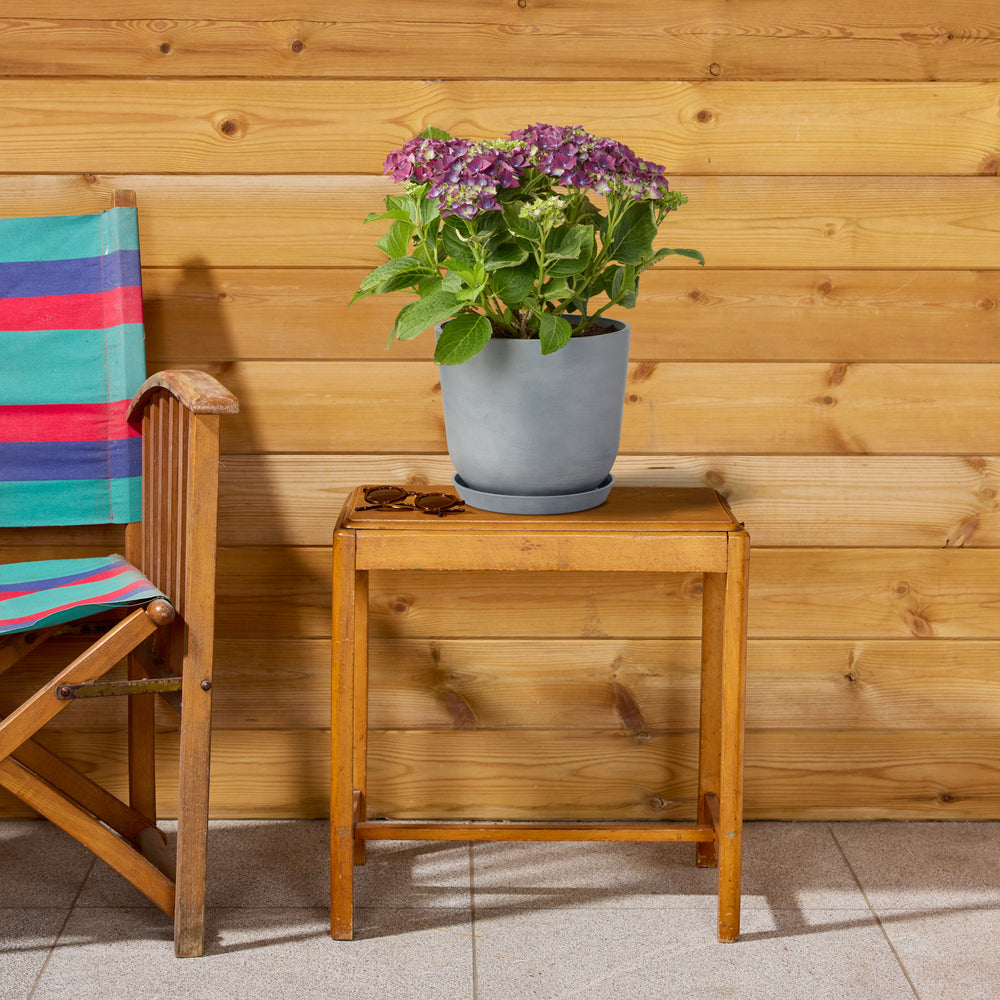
point(196, 390)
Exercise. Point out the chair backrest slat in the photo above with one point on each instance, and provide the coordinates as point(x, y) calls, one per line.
point(71, 358)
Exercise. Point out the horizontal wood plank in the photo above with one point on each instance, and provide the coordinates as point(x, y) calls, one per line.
point(794, 594)
point(760, 222)
point(631, 685)
point(719, 408)
point(348, 127)
point(198, 315)
point(789, 500)
point(921, 774)
point(764, 39)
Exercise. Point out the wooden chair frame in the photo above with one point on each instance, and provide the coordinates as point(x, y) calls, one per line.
point(169, 648)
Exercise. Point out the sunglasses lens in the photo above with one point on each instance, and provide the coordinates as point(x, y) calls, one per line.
point(385, 494)
point(435, 501)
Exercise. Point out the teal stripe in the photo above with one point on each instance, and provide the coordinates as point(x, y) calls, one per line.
point(79, 501)
point(50, 569)
point(60, 237)
point(38, 368)
point(121, 229)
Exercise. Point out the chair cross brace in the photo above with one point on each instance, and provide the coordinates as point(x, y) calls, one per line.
point(108, 689)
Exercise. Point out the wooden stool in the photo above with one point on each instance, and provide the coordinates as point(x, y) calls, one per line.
point(655, 530)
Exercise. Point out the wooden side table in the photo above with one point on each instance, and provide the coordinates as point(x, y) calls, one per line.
point(655, 530)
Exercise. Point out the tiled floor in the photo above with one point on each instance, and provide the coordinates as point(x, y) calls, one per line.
point(830, 910)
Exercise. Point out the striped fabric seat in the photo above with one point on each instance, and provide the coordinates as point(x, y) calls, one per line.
point(54, 591)
point(71, 344)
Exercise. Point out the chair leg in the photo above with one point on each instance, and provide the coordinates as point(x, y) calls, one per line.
point(192, 816)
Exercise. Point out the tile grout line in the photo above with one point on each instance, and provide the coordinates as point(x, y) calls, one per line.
point(59, 933)
point(868, 903)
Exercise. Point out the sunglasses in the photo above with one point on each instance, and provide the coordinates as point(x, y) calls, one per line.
point(395, 498)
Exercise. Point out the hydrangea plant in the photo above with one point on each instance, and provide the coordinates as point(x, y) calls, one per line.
point(501, 236)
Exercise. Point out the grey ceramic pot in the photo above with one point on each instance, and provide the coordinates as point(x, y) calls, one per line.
point(533, 433)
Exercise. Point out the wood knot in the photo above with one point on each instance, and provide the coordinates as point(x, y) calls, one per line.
point(705, 116)
point(400, 605)
point(990, 167)
point(836, 374)
point(233, 126)
point(963, 532)
point(715, 69)
point(825, 287)
point(165, 47)
point(714, 478)
point(298, 45)
point(987, 304)
point(643, 371)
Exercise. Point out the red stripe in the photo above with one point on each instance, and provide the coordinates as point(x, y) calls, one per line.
point(66, 422)
point(120, 594)
point(93, 311)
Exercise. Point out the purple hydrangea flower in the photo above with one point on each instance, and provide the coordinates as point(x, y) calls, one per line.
point(465, 176)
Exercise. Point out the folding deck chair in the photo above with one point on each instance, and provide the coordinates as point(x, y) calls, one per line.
point(85, 440)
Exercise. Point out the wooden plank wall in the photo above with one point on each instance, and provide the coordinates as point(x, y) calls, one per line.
point(832, 371)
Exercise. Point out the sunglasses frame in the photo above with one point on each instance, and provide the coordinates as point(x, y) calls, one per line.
point(456, 505)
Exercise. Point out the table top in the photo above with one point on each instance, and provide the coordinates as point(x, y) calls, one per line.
point(628, 508)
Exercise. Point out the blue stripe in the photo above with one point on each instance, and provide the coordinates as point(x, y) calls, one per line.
point(80, 276)
point(34, 461)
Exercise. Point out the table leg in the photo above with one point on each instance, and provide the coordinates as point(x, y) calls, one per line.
point(732, 722)
point(360, 748)
point(342, 739)
point(709, 746)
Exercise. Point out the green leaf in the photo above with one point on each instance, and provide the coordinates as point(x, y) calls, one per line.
point(402, 272)
point(631, 241)
point(567, 242)
point(524, 228)
point(458, 273)
point(396, 242)
point(574, 265)
point(455, 238)
point(502, 255)
point(463, 338)
point(433, 132)
point(512, 285)
point(414, 318)
point(693, 254)
point(554, 332)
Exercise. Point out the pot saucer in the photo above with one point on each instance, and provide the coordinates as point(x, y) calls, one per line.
point(504, 503)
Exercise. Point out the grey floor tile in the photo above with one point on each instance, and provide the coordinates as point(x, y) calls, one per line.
point(950, 954)
point(259, 954)
point(26, 937)
point(578, 955)
point(286, 863)
point(40, 865)
point(932, 865)
point(784, 865)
